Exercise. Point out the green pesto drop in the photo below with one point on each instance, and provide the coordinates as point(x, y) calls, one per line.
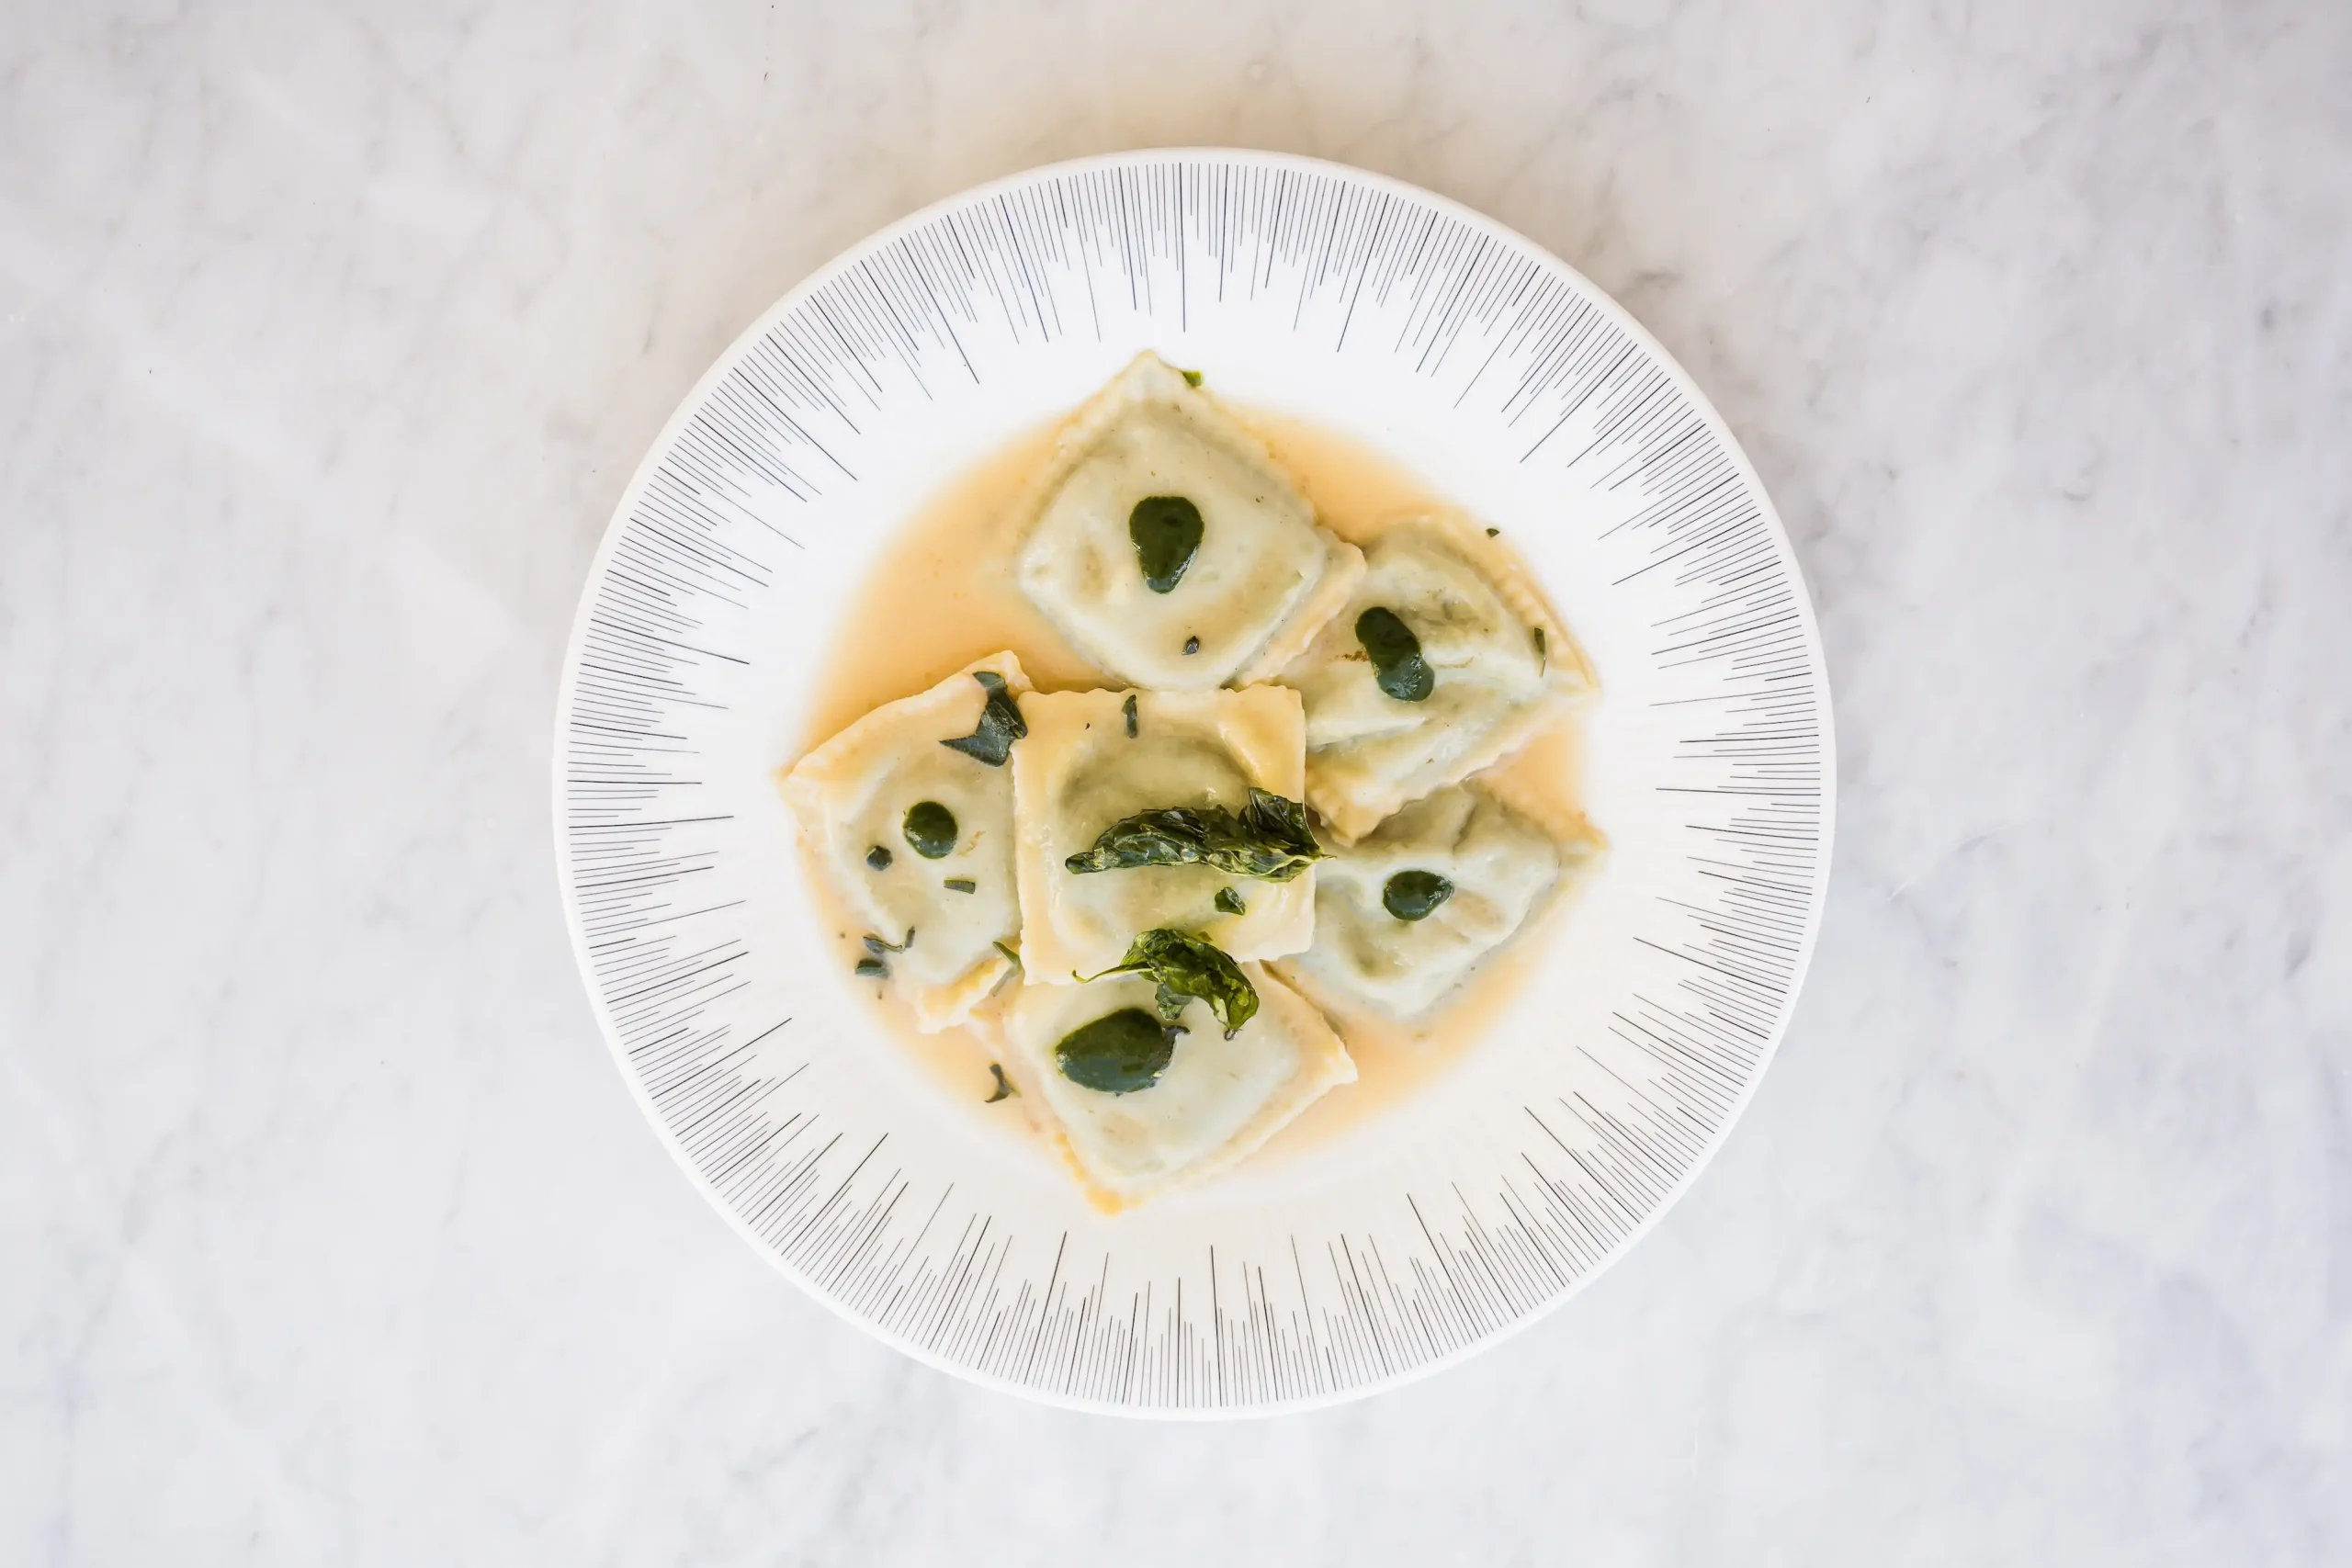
point(1396, 655)
point(1118, 1053)
point(1167, 534)
point(1415, 895)
point(931, 829)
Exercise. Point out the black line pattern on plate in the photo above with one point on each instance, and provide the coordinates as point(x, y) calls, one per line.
point(1103, 253)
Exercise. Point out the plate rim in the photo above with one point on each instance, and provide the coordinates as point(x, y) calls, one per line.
point(690, 403)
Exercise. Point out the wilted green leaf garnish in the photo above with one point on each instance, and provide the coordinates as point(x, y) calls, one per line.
point(1184, 965)
point(1167, 534)
point(1118, 1053)
point(1269, 839)
point(1001, 723)
point(1414, 894)
point(1396, 655)
point(1229, 900)
point(1004, 1090)
point(878, 858)
point(930, 828)
point(873, 969)
point(1128, 709)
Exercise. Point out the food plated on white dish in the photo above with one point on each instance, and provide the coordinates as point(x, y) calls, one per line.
point(1426, 935)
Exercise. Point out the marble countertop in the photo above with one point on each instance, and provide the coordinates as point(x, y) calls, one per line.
point(329, 1235)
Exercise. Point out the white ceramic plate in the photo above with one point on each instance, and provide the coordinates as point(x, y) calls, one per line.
point(1387, 314)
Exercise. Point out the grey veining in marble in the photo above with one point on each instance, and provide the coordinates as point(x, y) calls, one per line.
point(328, 1234)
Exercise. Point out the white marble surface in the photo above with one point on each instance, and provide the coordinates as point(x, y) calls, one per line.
point(328, 1234)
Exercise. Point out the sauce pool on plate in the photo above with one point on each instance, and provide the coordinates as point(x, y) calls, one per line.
point(943, 594)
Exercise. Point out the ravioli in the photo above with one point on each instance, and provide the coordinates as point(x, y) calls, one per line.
point(1216, 1101)
point(1413, 909)
point(1169, 548)
point(914, 838)
point(1444, 662)
point(1079, 770)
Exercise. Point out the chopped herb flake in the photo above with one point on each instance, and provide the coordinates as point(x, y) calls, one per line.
point(878, 858)
point(1128, 709)
point(876, 946)
point(961, 885)
point(1011, 955)
point(1004, 1090)
point(1000, 724)
point(1191, 377)
point(873, 969)
point(1192, 644)
point(1543, 654)
point(1229, 900)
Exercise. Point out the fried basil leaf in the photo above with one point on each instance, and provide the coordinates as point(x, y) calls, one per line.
point(1184, 966)
point(1118, 1053)
point(1000, 724)
point(1396, 655)
point(1415, 895)
point(1268, 839)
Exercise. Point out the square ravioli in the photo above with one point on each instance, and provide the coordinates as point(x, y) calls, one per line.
point(1216, 1101)
point(907, 817)
point(1169, 548)
point(1411, 909)
point(1444, 662)
point(1084, 767)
